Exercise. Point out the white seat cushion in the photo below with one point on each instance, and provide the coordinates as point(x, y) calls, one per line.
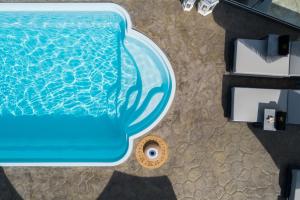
point(248, 104)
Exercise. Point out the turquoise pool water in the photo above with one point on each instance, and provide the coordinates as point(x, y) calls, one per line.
point(74, 87)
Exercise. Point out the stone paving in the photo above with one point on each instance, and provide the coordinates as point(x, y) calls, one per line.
point(210, 158)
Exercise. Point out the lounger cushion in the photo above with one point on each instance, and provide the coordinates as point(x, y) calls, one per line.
point(251, 58)
point(248, 104)
point(295, 185)
point(295, 59)
point(293, 114)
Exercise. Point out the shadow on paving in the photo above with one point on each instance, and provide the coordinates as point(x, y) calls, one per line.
point(283, 146)
point(126, 187)
point(7, 190)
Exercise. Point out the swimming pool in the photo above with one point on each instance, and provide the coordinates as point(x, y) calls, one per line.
point(77, 84)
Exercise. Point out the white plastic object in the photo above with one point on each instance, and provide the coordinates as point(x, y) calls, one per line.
point(206, 7)
point(187, 5)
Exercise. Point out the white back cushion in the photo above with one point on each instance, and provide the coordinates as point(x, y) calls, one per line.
point(293, 113)
point(251, 58)
point(295, 59)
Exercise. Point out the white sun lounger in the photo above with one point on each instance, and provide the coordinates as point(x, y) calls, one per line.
point(248, 104)
point(295, 185)
point(252, 57)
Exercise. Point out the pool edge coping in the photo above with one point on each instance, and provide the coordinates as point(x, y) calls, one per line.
point(10, 7)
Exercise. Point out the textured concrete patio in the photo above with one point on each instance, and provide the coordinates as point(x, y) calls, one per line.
point(210, 158)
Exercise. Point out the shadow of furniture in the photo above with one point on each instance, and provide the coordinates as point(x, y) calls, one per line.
point(126, 187)
point(7, 190)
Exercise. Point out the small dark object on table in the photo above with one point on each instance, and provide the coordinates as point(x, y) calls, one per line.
point(280, 120)
point(283, 45)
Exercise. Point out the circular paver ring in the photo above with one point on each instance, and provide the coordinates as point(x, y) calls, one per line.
point(151, 152)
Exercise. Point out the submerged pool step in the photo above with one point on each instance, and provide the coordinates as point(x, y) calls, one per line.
point(61, 139)
point(60, 131)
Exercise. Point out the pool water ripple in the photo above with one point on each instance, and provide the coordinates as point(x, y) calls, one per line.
point(54, 68)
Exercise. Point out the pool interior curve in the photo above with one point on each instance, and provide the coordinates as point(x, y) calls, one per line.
point(74, 87)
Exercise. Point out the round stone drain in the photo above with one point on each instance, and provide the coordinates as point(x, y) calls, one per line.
point(151, 152)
